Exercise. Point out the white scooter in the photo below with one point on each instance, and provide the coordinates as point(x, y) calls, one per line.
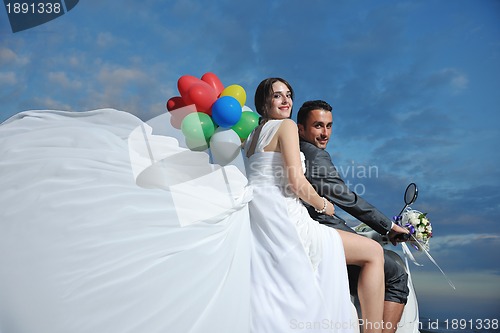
point(409, 322)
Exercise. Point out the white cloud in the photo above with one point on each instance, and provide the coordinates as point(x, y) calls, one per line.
point(120, 76)
point(9, 57)
point(459, 82)
point(449, 241)
point(51, 104)
point(60, 78)
point(450, 77)
point(106, 39)
point(186, 8)
point(73, 61)
point(133, 89)
point(477, 285)
point(8, 78)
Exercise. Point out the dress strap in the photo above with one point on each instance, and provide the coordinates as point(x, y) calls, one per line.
point(253, 143)
point(261, 137)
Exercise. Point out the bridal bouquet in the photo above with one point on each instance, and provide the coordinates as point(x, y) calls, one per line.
point(421, 232)
point(419, 226)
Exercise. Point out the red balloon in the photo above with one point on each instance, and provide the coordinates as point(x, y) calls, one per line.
point(185, 82)
point(214, 82)
point(203, 96)
point(175, 103)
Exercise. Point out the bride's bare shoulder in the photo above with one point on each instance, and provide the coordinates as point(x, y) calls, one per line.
point(288, 125)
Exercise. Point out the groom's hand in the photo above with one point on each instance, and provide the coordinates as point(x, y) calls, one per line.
point(398, 234)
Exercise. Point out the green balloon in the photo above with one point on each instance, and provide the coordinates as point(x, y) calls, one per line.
point(248, 121)
point(198, 126)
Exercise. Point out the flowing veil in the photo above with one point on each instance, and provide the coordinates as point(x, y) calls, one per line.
point(107, 227)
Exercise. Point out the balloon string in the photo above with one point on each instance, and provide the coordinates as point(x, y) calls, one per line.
point(407, 252)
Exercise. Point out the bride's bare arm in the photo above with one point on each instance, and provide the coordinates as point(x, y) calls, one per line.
point(288, 141)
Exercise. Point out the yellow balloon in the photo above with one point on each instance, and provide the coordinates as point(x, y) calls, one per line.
point(237, 92)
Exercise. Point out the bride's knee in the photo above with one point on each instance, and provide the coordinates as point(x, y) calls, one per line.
point(376, 252)
point(361, 250)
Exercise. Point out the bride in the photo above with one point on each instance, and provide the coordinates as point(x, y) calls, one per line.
point(298, 265)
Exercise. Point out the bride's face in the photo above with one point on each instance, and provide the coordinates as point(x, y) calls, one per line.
point(281, 101)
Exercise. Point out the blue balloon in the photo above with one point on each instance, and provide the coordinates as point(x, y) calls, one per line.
point(226, 111)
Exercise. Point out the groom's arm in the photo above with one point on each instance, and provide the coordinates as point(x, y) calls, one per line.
point(325, 178)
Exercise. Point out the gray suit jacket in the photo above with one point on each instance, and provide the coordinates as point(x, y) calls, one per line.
point(325, 178)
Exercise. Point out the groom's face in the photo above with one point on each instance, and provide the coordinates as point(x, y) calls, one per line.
point(318, 128)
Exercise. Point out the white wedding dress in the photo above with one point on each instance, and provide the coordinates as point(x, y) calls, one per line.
point(107, 227)
point(299, 277)
point(84, 248)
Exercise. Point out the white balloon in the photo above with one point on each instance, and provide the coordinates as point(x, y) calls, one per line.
point(225, 145)
point(246, 108)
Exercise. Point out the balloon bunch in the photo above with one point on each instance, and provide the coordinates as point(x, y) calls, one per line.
point(211, 115)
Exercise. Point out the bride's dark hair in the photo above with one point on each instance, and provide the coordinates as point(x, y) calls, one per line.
point(264, 95)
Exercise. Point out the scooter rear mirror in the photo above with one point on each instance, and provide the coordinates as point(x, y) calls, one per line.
point(411, 194)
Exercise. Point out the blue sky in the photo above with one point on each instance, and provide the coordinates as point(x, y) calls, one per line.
point(414, 86)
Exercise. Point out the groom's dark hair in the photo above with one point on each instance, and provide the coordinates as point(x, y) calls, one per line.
point(308, 107)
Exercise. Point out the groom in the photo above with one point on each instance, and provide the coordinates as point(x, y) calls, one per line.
point(314, 121)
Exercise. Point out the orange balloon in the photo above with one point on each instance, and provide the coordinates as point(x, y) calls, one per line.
point(214, 82)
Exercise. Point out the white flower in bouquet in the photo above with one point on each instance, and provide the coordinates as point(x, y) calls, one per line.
point(412, 218)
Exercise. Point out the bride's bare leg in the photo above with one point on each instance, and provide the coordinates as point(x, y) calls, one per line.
point(369, 255)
